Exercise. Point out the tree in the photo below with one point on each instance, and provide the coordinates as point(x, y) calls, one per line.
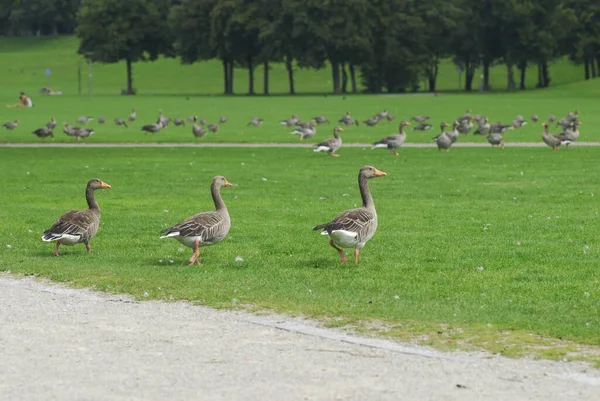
point(114, 30)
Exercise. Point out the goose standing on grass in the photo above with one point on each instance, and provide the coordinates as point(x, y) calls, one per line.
point(11, 125)
point(483, 128)
point(290, 122)
point(331, 145)
point(213, 128)
point(197, 130)
point(51, 124)
point(256, 121)
point(571, 134)
point(535, 118)
point(78, 226)
point(443, 140)
point(355, 227)
point(84, 119)
point(320, 120)
point(496, 140)
point(422, 127)
point(347, 120)
point(179, 122)
point(85, 133)
point(552, 140)
point(71, 131)
point(205, 228)
point(420, 119)
point(371, 122)
point(453, 135)
point(307, 132)
point(120, 121)
point(152, 128)
point(222, 119)
point(101, 120)
point(43, 133)
point(394, 141)
point(133, 115)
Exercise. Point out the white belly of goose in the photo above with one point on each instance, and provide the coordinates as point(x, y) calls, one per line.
point(343, 238)
point(191, 240)
point(322, 149)
point(68, 239)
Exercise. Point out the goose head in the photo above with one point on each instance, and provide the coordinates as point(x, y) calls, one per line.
point(221, 181)
point(371, 172)
point(96, 183)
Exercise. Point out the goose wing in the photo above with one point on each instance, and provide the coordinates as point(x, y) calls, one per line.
point(353, 220)
point(75, 222)
point(205, 225)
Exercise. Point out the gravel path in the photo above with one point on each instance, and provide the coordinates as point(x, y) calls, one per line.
point(64, 344)
point(264, 145)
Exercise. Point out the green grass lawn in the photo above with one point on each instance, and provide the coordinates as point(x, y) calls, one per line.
point(475, 248)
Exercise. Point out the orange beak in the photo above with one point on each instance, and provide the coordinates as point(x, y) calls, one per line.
point(104, 185)
point(408, 123)
point(379, 173)
point(341, 129)
point(228, 184)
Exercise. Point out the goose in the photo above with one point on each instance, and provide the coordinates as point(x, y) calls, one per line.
point(71, 131)
point(443, 140)
point(499, 128)
point(120, 121)
point(484, 127)
point(43, 133)
point(552, 118)
point(371, 122)
point(355, 227)
point(549, 139)
point(222, 119)
point(331, 145)
point(382, 114)
point(394, 141)
point(162, 119)
point(453, 135)
point(495, 140)
point(256, 121)
point(197, 130)
point(152, 128)
point(422, 127)
point(420, 119)
point(203, 229)
point(465, 126)
point(85, 133)
point(465, 117)
point(320, 120)
point(78, 226)
point(571, 134)
point(304, 133)
point(390, 117)
point(518, 123)
point(11, 125)
point(290, 122)
point(179, 122)
point(535, 118)
point(202, 121)
point(213, 128)
point(133, 115)
point(84, 119)
point(305, 125)
point(347, 120)
point(51, 124)
point(101, 120)
point(191, 119)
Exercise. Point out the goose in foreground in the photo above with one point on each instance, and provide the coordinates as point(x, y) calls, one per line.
point(443, 140)
point(331, 145)
point(43, 133)
point(133, 115)
point(496, 140)
point(205, 228)
point(51, 124)
point(152, 128)
point(355, 227)
point(394, 141)
point(256, 121)
point(11, 125)
point(77, 226)
point(552, 140)
point(120, 121)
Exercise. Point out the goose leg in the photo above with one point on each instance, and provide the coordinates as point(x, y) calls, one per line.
point(340, 252)
point(196, 255)
point(56, 248)
point(88, 247)
point(356, 252)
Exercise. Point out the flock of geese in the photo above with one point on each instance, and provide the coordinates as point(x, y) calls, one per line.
point(463, 124)
point(349, 229)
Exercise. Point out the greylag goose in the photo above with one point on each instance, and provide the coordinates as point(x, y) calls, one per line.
point(483, 128)
point(347, 120)
point(71, 131)
point(179, 122)
point(43, 133)
point(320, 120)
point(133, 115)
point(205, 228)
point(307, 132)
point(84, 119)
point(571, 134)
point(496, 140)
point(371, 122)
point(213, 128)
point(305, 125)
point(290, 122)
point(552, 140)
point(120, 121)
point(535, 118)
point(331, 145)
point(256, 121)
point(11, 125)
point(499, 128)
point(202, 121)
point(51, 124)
point(382, 114)
point(465, 126)
point(85, 133)
point(162, 119)
point(222, 119)
point(191, 119)
point(355, 227)
point(453, 135)
point(394, 141)
point(518, 123)
point(197, 130)
point(422, 127)
point(420, 119)
point(552, 118)
point(152, 128)
point(443, 140)
point(390, 117)
point(101, 120)
point(78, 226)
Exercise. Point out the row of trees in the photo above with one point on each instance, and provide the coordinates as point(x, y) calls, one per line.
point(390, 45)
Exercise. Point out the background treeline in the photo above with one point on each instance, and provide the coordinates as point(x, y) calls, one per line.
point(387, 45)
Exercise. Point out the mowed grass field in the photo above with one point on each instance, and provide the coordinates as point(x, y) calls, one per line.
point(476, 248)
point(181, 91)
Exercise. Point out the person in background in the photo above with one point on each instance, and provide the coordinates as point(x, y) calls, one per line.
point(24, 101)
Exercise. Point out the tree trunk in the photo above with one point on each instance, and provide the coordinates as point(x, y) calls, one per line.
point(335, 76)
point(352, 78)
point(290, 71)
point(510, 72)
point(486, 75)
point(540, 83)
point(266, 78)
point(523, 69)
point(225, 77)
point(469, 74)
point(593, 66)
point(586, 68)
point(597, 63)
point(250, 76)
point(129, 77)
point(230, 75)
point(344, 79)
point(546, 73)
point(432, 73)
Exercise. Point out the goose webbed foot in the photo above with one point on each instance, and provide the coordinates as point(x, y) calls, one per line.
point(340, 252)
